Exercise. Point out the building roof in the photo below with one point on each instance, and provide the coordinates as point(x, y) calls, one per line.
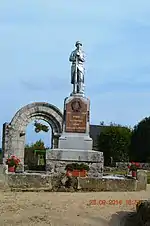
point(95, 131)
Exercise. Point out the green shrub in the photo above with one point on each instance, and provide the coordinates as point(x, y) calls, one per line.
point(133, 167)
point(77, 166)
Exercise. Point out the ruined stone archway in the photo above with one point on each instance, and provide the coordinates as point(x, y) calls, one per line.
point(13, 141)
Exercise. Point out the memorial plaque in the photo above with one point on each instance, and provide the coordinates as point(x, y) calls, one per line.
point(76, 116)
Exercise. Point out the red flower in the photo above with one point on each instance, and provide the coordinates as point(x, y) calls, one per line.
point(137, 164)
point(13, 161)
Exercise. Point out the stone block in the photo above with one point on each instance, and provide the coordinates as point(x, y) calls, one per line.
point(142, 180)
point(75, 134)
point(25, 181)
point(74, 155)
point(57, 159)
point(75, 141)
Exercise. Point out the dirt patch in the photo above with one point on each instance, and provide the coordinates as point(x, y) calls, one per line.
point(72, 209)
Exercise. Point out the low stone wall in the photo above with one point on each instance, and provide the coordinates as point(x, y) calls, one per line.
point(93, 184)
point(29, 181)
point(43, 182)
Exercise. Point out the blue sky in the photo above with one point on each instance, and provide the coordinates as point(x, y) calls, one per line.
point(37, 36)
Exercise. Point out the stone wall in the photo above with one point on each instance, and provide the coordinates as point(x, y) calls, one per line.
point(96, 169)
point(38, 182)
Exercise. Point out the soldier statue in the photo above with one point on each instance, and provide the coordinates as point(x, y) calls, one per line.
point(77, 58)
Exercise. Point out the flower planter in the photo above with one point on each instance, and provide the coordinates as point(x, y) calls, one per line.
point(11, 169)
point(77, 173)
point(83, 173)
point(12, 163)
point(133, 173)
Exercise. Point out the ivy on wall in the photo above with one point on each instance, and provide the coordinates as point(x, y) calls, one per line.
point(40, 127)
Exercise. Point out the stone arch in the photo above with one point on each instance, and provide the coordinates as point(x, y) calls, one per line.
point(14, 132)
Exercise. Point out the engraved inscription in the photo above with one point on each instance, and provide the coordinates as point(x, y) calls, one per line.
point(76, 116)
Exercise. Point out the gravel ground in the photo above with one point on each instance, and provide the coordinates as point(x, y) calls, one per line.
point(59, 209)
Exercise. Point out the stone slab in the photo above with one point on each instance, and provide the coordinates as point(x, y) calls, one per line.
point(74, 155)
point(75, 141)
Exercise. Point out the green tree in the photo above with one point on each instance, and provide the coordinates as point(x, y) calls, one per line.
point(30, 158)
point(38, 145)
point(114, 141)
point(140, 141)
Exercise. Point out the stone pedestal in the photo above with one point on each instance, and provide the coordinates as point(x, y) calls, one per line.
point(75, 133)
point(75, 144)
point(57, 159)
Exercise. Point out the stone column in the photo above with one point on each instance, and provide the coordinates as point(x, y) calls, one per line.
point(5, 141)
point(55, 141)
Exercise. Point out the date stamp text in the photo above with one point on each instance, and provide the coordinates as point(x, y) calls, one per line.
point(114, 202)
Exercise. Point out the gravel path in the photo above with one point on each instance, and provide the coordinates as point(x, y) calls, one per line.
point(59, 209)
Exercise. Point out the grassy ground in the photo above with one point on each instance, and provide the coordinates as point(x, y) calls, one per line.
point(124, 172)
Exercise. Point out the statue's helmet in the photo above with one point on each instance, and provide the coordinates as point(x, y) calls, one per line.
point(78, 43)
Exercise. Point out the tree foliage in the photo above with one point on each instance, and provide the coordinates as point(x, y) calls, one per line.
point(140, 141)
point(38, 145)
point(114, 141)
point(30, 158)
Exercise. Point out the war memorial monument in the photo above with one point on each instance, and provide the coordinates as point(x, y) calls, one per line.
point(75, 143)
